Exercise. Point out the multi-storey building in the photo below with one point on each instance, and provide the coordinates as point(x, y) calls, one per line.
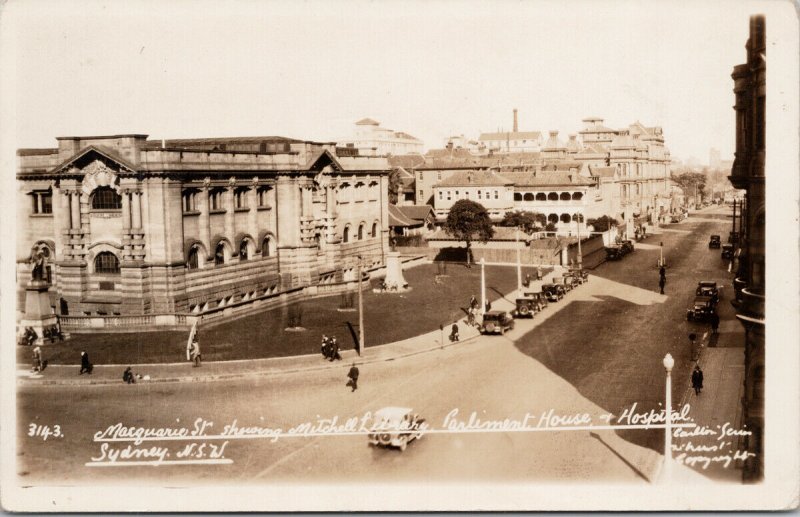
point(748, 174)
point(373, 140)
point(514, 141)
point(132, 226)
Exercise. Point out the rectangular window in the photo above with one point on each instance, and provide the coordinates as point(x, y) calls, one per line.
point(215, 200)
point(262, 197)
point(42, 202)
point(189, 201)
point(479, 194)
point(448, 195)
point(421, 194)
point(496, 195)
point(240, 198)
point(441, 195)
point(466, 194)
point(439, 175)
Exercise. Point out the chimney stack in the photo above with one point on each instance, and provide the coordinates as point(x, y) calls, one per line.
point(516, 126)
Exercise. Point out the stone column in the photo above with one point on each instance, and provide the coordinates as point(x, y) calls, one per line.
point(126, 211)
point(230, 206)
point(137, 210)
point(252, 215)
point(204, 223)
point(287, 194)
point(75, 210)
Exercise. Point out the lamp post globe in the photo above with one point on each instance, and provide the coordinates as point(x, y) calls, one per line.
point(669, 362)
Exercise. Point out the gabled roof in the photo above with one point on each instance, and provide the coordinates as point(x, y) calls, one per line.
point(398, 218)
point(368, 122)
point(416, 212)
point(603, 172)
point(548, 179)
point(108, 154)
point(474, 178)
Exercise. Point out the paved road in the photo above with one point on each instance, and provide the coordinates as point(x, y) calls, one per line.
point(598, 350)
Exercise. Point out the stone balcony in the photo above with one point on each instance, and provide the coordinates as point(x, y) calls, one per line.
point(751, 307)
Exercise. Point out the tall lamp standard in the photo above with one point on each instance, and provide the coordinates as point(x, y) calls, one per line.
point(519, 264)
point(580, 254)
point(483, 287)
point(669, 362)
point(360, 311)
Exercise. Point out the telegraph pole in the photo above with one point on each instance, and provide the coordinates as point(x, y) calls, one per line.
point(360, 311)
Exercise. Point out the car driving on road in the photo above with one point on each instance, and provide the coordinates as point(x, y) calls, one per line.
point(396, 427)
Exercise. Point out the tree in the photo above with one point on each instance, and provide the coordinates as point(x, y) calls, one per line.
point(528, 221)
point(602, 224)
point(689, 180)
point(551, 227)
point(469, 221)
point(395, 185)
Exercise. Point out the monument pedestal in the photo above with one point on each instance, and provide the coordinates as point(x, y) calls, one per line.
point(38, 314)
point(394, 280)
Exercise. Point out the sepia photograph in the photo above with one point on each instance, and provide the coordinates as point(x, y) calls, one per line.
point(456, 255)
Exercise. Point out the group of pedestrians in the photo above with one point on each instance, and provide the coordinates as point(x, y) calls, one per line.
point(330, 349)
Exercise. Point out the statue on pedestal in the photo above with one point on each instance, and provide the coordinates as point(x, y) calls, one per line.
point(38, 261)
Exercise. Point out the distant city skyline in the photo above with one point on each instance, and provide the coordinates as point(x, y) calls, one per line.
point(428, 69)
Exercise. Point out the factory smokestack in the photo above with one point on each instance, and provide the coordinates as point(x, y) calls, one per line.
point(516, 126)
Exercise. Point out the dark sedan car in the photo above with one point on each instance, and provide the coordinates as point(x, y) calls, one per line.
point(714, 241)
point(727, 251)
point(709, 289)
point(702, 309)
point(553, 292)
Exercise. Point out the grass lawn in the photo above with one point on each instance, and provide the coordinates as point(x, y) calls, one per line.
point(388, 317)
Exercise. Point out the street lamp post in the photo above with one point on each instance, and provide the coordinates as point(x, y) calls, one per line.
point(580, 254)
point(669, 362)
point(483, 287)
point(360, 311)
point(519, 264)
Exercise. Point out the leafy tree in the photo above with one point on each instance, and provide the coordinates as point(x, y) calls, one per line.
point(551, 227)
point(602, 224)
point(528, 221)
point(394, 186)
point(688, 180)
point(469, 221)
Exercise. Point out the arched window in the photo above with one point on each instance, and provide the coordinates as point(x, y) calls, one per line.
point(565, 218)
point(265, 244)
point(243, 255)
point(374, 232)
point(517, 196)
point(193, 261)
point(106, 263)
point(577, 196)
point(346, 234)
point(528, 196)
point(577, 217)
point(219, 254)
point(541, 196)
point(106, 198)
point(361, 231)
point(552, 218)
point(552, 196)
point(565, 196)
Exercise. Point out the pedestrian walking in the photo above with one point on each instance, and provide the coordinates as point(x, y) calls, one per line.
point(334, 350)
point(353, 376)
point(86, 364)
point(194, 353)
point(471, 316)
point(38, 364)
point(473, 302)
point(454, 333)
point(661, 283)
point(538, 273)
point(662, 272)
point(325, 348)
point(697, 380)
point(714, 323)
point(128, 377)
point(488, 305)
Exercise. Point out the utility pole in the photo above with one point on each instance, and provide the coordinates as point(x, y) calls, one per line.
point(360, 311)
point(519, 263)
point(580, 254)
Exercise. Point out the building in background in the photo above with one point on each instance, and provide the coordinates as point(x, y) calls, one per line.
point(748, 174)
point(132, 226)
point(373, 140)
point(514, 141)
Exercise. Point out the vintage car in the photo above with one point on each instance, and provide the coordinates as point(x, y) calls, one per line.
point(496, 322)
point(675, 219)
point(571, 281)
point(714, 241)
point(727, 251)
point(554, 292)
point(709, 289)
point(396, 427)
point(580, 274)
point(540, 298)
point(614, 253)
point(733, 237)
point(526, 308)
point(702, 309)
point(627, 246)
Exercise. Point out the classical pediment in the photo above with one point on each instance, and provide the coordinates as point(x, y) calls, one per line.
point(93, 161)
point(324, 161)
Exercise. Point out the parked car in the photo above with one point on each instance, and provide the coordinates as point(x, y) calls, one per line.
point(707, 288)
point(675, 219)
point(526, 308)
point(627, 246)
point(553, 292)
point(396, 427)
point(702, 309)
point(580, 274)
point(496, 322)
point(539, 298)
point(714, 241)
point(614, 253)
point(571, 281)
point(733, 237)
point(727, 251)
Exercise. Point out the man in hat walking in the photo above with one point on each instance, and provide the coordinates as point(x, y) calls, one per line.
point(697, 380)
point(353, 376)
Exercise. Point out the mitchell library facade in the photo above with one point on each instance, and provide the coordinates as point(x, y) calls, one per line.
point(129, 226)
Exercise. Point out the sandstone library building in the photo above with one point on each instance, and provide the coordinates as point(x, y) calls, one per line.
point(131, 227)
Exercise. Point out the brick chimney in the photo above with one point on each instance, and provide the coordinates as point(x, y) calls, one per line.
point(516, 126)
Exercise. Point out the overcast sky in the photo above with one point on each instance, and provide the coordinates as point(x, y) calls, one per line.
point(310, 69)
